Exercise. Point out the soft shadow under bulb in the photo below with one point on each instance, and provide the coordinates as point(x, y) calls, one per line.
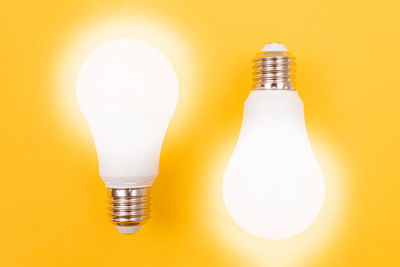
point(127, 90)
point(273, 186)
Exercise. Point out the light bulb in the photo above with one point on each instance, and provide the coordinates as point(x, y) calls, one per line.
point(273, 186)
point(128, 91)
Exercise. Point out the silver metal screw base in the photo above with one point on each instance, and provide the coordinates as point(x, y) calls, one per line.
point(130, 206)
point(274, 70)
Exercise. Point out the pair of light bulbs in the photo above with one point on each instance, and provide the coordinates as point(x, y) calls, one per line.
point(273, 187)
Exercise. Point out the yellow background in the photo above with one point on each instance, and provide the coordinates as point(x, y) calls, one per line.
point(54, 205)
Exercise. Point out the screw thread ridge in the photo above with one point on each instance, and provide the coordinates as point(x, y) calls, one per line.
point(130, 206)
point(274, 70)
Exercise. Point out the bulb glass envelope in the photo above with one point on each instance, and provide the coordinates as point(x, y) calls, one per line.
point(127, 91)
point(273, 187)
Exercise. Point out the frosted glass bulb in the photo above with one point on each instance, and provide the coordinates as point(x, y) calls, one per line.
point(273, 186)
point(128, 91)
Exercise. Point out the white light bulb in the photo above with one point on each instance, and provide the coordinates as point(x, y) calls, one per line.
point(128, 91)
point(273, 186)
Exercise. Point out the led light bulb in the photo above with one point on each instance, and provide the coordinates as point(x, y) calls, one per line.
point(127, 91)
point(273, 186)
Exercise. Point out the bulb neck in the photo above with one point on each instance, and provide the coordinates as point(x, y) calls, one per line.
point(274, 70)
point(130, 207)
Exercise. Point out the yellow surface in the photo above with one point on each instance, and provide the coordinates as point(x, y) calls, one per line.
point(54, 205)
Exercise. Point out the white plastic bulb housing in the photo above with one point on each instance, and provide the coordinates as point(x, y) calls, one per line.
point(127, 91)
point(273, 186)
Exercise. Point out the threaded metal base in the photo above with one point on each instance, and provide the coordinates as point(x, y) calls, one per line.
point(130, 206)
point(274, 70)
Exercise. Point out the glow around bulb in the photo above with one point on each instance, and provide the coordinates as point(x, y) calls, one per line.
point(127, 91)
point(273, 186)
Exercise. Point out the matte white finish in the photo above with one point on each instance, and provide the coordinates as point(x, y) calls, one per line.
point(129, 230)
point(274, 47)
point(127, 90)
point(273, 187)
